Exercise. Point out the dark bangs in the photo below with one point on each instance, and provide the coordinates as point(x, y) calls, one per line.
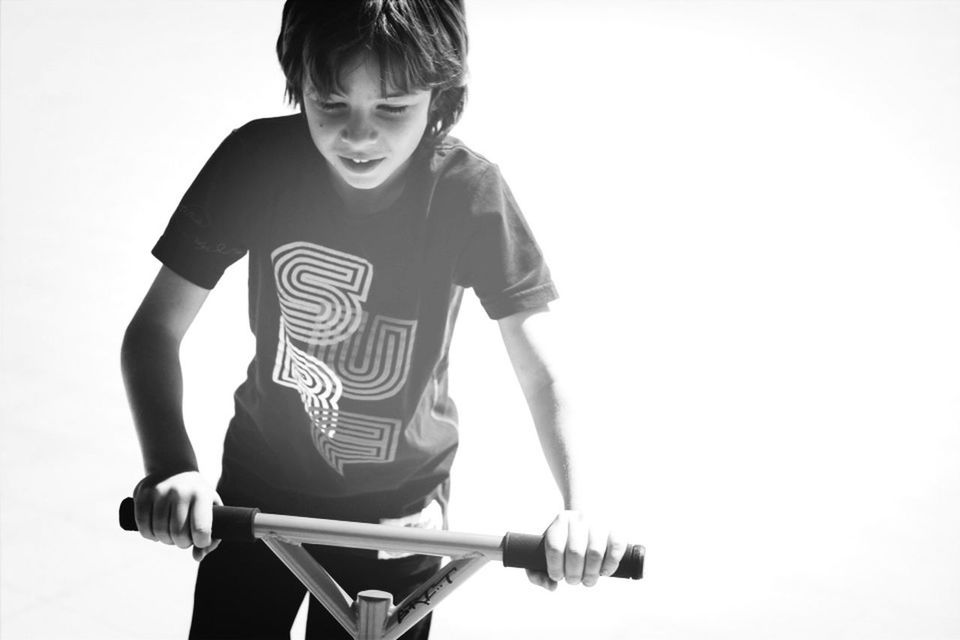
point(419, 44)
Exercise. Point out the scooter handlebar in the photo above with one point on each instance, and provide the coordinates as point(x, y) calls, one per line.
point(229, 523)
point(520, 550)
point(527, 551)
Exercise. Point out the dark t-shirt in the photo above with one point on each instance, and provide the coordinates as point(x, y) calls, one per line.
point(346, 396)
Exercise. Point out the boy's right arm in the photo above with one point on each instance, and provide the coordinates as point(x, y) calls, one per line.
point(173, 503)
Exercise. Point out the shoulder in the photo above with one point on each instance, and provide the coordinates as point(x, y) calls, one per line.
point(274, 127)
point(277, 136)
point(265, 151)
point(454, 165)
point(467, 181)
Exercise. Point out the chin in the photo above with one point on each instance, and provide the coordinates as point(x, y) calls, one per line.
point(363, 185)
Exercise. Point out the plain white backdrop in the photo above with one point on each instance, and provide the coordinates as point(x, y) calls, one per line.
point(751, 209)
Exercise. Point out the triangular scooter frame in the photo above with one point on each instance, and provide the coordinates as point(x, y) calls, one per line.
point(373, 616)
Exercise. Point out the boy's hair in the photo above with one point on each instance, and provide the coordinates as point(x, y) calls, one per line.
point(419, 44)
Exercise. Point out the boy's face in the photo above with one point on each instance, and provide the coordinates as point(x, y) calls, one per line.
point(367, 137)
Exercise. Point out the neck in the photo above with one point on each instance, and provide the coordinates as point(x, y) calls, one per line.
point(367, 201)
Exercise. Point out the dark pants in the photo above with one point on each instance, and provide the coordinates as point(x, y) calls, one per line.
point(244, 591)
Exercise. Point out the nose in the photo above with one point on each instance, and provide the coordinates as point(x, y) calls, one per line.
point(358, 129)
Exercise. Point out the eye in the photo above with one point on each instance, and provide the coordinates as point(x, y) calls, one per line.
point(393, 109)
point(330, 106)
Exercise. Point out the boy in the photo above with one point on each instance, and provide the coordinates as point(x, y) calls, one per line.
point(363, 222)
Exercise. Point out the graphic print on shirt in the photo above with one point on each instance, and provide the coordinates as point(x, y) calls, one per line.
point(329, 348)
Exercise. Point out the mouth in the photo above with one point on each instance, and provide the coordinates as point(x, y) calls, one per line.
point(360, 165)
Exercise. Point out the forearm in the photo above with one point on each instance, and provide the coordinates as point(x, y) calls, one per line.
point(575, 547)
point(150, 362)
point(553, 419)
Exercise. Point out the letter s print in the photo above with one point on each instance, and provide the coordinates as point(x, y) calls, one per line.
point(320, 291)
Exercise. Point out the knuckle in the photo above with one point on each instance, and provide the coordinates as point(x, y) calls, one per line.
point(594, 555)
point(555, 535)
point(553, 552)
point(614, 557)
point(617, 544)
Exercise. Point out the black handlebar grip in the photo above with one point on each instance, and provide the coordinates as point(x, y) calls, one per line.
point(229, 523)
point(528, 552)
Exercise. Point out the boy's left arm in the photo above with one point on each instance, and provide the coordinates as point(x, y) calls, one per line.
point(579, 547)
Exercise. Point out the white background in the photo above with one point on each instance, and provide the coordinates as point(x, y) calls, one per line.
point(752, 210)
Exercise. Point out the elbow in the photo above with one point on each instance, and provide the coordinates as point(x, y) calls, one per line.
point(537, 383)
point(144, 340)
point(135, 339)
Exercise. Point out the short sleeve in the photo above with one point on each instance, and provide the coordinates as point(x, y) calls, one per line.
point(209, 229)
point(502, 261)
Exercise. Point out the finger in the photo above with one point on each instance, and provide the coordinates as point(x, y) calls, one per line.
point(541, 579)
point(180, 523)
point(201, 521)
point(577, 539)
point(555, 541)
point(161, 520)
point(616, 548)
point(596, 548)
point(199, 553)
point(143, 514)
